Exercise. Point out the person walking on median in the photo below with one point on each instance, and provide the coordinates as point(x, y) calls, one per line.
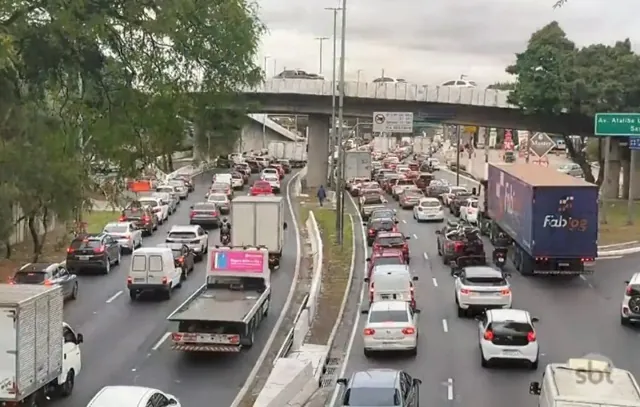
point(322, 195)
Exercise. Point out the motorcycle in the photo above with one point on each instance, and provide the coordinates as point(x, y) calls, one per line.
point(225, 239)
point(500, 258)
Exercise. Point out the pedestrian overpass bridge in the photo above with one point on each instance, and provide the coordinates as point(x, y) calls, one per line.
point(466, 106)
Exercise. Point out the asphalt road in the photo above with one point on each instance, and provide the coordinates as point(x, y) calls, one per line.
point(577, 317)
point(126, 342)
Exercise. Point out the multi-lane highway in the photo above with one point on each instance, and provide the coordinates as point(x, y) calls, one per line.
point(126, 342)
point(578, 316)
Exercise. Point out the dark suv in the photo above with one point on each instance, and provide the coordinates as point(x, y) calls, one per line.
point(141, 216)
point(93, 252)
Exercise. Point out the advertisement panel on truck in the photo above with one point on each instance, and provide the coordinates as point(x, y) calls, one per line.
point(566, 221)
point(510, 201)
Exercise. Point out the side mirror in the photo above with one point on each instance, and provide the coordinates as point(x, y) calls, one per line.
point(535, 319)
point(417, 382)
point(342, 381)
point(396, 221)
point(191, 207)
point(534, 388)
point(364, 311)
point(414, 278)
point(478, 317)
point(79, 339)
point(173, 402)
point(456, 273)
point(438, 232)
point(626, 282)
point(285, 226)
point(407, 238)
point(368, 259)
point(506, 274)
point(364, 223)
point(366, 279)
point(416, 311)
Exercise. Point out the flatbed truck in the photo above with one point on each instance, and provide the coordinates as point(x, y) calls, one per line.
point(224, 314)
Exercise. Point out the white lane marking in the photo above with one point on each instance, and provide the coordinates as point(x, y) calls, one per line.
point(404, 221)
point(609, 257)
point(445, 327)
point(450, 389)
point(355, 328)
point(435, 282)
point(583, 277)
point(415, 236)
point(161, 341)
point(113, 297)
point(425, 255)
point(287, 304)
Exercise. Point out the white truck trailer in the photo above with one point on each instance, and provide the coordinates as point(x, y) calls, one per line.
point(39, 354)
point(259, 221)
point(357, 164)
point(276, 149)
point(225, 312)
point(296, 153)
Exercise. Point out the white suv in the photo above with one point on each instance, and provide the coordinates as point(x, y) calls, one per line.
point(508, 335)
point(630, 310)
point(478, 288)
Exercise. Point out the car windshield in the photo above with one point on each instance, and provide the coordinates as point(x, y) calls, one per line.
point(383, 225)
point(165, 189)
point(116, 229)
point(388, 260)
point(182, 235)
point(485, 281)
point(217, 198)
point(371, 397)
point(388, 316)
point(31, 277)
point(85, 244)
point(391, 241)
point(413, 193)
point(382, 214)
point(262, 185)
point(372, 200)
point(133, 213)
point(430, 204)
point(510, 328)
point(219, 186)
point(150, 202)
point(204, 207)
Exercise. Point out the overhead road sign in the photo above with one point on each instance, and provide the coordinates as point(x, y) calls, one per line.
point(617, 124)
point(541, 144)
point(392, 122)
point(634, 143)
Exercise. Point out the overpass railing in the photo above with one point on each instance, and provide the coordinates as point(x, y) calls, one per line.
point(391, 91)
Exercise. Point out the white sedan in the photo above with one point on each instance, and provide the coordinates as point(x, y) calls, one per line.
point(508, 335)
point(478, 288)
point(126, 234)
point(428, 209)
point(469, 211)
point(391, 326)
point(274, 181)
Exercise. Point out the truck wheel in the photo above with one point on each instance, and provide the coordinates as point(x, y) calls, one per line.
point(133, 295)
point(247, 341)
point(167, 293)
point(66, 388)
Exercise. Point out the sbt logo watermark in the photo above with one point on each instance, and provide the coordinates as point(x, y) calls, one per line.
point(572, 224)
point(592, 368)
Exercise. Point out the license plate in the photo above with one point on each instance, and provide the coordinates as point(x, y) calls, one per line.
point(563, 264)
point(385, 297)
point(83, 257)
point(138, 279)
point(388, 343)
point(510, 352)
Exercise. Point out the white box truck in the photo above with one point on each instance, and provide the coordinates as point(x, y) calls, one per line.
point(39, 354)
point(276, 149)
point(357, 164)
point(296, 153)
point(258, 221)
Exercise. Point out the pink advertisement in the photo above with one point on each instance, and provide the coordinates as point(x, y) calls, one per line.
point(238, 260)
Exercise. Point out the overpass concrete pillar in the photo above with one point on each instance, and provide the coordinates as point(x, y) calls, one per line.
point(318, 150)
point(611, 185)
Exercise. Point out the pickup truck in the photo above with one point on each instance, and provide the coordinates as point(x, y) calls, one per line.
point(551, 217)
point(370, 203)
point(40, 355)
point(224, 314)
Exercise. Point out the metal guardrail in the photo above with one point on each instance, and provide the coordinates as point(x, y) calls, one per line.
point(288, 340)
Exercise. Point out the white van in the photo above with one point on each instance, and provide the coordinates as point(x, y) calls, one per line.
point(153, 269)
point(392, 282)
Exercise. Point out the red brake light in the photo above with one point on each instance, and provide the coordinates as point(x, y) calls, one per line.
point(122, 218)
point(192, 214)
point(164, 281)
point(457, 246)
point(531, 336)
point(213, 213)
point(99, 249)
point(408, 331)
point(488, 335)
point(69, 250)
point(464, 291)
point(506, 291)
point(47, 282)
point(11, 281)
point(129, 280)
point(181, 259)
point(369, 331)
point(372, 231)
point(629, 290)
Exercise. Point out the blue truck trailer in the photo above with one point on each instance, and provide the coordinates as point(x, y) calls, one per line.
point(551, 217)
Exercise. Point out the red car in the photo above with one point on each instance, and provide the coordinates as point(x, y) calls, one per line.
point(261, 188)
point(385, 256)
point(392, 240)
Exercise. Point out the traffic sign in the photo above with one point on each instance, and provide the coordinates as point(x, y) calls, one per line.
point(392, 122)
point(634, 143)
point(540, 144)
point(617, 124)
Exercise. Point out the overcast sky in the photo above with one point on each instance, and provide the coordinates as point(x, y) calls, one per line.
point(428, 42)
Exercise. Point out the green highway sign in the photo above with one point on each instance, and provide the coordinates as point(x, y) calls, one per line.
point(617, 124)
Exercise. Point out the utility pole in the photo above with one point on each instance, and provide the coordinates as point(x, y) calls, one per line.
point(340, 189)
point(332, 131)
point(321, 41)
point(632, 190)
point(275, 62)
point(486, 152)
point(264, 121)
point(605, 183)
point(458, 137)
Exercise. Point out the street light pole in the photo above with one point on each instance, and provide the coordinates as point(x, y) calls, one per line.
point(332, 131)
point(340, 190)
point(264, 121)
point(321, 40)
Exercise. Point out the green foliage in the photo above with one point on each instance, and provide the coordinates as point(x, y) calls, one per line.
point(91, 80)
point(502, 86)
point(554, 77)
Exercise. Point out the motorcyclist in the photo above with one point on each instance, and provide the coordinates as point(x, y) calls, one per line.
point(500, 257)
point(225, 229)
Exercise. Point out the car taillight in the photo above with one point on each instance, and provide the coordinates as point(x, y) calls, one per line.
point(99, 249)
point(629, 291)
point(369, 331)
point(11, 281)
point(164, 281)
point(47, 282)
point(588, 260)
point(192, 214)
point(408, 331)
point(464, 291)
point(181, 259)
point(531, 336)
point(129, 280)
point(122, 218)
point(145, 219)
point(372, 231)
point(488, 335)
point(457, 246)
point(213, 213)
point(69, 250)
point(506, 291)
